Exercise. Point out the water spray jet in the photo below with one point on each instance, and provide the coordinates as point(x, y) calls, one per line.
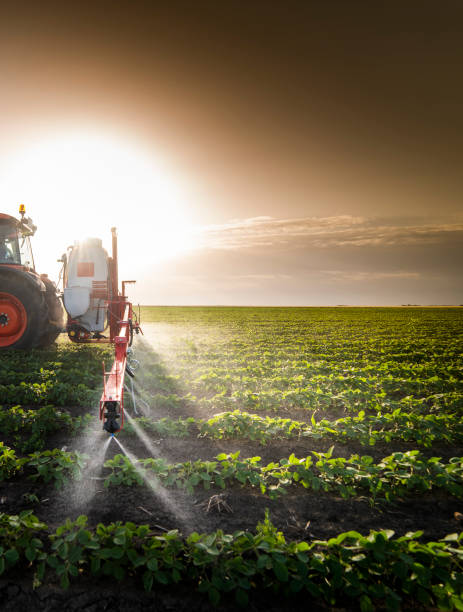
point(155, 486)
point(144, 439)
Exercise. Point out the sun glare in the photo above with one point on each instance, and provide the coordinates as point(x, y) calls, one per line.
point(81, 184)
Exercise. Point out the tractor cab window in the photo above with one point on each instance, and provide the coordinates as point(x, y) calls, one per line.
point(9, 245)
point(15, 247)
point(25, 251)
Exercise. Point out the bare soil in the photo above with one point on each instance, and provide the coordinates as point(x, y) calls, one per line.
point(91, 596)
point(300, 514)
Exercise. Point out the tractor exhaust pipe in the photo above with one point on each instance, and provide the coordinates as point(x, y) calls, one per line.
point(115, 272)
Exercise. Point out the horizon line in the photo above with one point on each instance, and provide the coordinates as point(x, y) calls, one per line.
point(300, 306)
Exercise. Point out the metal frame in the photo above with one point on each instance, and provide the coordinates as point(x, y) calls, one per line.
point(121, 330)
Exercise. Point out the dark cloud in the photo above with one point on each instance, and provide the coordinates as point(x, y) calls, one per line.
point(327, 232)
point(320, 108)
point(331, 129)
point(335, 260)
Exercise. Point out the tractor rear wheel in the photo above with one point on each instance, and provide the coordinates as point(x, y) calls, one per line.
point(23, 314)
point(55, 322)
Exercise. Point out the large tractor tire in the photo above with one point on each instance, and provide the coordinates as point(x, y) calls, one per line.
point(23, 313)
point(55, 310)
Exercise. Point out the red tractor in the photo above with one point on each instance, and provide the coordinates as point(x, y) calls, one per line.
point(31, 311)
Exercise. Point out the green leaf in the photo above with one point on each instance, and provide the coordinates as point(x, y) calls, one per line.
point(118, 572)
point(11, 556)
point(366, 605)
point(214, 596)
point(73, 570)
point(452, 537)
point(117, 552)
point(280, 570)
point(152, 565)
point(161, 577)
point(83, 537)
point(53, 561)
point(64, 581)
point(40, 571)
point(241, 597)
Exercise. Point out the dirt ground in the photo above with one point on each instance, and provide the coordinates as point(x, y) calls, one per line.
point(300, 514)
point(87, 596)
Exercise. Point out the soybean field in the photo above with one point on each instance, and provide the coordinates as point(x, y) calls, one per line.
point(268, 456)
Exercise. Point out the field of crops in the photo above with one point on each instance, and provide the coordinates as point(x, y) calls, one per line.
point(276, 455)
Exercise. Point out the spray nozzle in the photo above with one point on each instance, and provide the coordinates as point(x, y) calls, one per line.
point(111, 416)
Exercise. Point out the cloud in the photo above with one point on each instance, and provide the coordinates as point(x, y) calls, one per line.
point(362, 275)
point(324, 232)
point(315, 261)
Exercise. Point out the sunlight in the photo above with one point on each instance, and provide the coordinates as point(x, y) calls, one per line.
point(82, 183)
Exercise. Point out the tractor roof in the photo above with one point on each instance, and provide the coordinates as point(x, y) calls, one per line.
point(4, 217)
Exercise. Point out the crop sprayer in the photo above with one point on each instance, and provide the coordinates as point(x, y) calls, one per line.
point(31, 307)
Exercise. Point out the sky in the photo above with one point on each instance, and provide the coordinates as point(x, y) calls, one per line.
point(281, 153)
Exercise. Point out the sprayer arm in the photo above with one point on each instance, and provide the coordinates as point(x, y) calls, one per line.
point(112, 398)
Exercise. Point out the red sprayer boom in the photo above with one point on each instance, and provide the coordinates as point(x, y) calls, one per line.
point(112, 398)
point(93, 302)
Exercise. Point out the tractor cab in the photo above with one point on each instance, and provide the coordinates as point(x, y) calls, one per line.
point(31, 313)
point(15, 246)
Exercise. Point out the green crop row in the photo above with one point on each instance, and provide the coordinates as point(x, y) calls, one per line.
point(366, 429)
point(166, 391)
point(424, 430)
point(374, 571)
point(349, 400)
point(64, 375)
point(269, 359)
point(299, 391)
point(375, 360)
point(30, 427)
point(304, 355)
point(66, 363)
point(50, 392)
point(55, 466)
point(396, 475)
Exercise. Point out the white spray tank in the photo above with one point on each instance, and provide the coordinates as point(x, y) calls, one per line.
point(87, 288)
